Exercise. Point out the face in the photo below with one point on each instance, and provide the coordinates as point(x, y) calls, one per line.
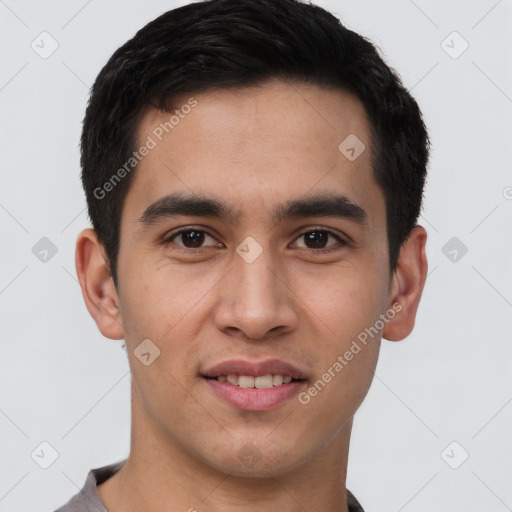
point(269, 260)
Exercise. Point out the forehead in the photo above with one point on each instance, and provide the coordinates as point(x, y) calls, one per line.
point(256, 145)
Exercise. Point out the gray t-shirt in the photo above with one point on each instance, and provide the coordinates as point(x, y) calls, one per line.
point(88, 500)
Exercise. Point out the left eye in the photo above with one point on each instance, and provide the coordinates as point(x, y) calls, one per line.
point(317, 239)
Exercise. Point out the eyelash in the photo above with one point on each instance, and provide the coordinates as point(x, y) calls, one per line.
point(168, 240)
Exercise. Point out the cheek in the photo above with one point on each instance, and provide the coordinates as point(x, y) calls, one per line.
point(166, 305)
point(345, 309)
point(344, 301)
point(160, 298)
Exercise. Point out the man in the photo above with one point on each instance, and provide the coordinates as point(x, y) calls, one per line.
point(254, 173)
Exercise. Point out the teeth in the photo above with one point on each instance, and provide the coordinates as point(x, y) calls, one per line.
point(245, 382)
point(261, 382)
point(277, 380)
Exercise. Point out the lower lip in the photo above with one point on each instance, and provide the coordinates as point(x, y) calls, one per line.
point(252, 399)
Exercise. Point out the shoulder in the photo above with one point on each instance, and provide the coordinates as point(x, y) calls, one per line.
point(87, 499)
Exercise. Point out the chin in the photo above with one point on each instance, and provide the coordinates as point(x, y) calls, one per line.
point(258, 459)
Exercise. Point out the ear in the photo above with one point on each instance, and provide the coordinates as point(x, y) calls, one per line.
point(407, 285)
point(98, 290)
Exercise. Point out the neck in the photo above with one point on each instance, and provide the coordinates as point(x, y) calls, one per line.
point(160, 474)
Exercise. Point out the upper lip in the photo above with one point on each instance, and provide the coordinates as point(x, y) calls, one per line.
point(254, 369)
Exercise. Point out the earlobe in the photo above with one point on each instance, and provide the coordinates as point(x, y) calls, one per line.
point(98, 290)
point(407, 285)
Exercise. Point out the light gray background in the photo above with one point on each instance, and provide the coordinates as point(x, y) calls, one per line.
point(63, 383)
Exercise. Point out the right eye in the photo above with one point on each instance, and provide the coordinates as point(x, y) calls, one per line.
point(190, 239)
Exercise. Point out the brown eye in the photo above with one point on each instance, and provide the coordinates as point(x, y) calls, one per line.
point(318, 239)
point(192, 239)
point(189, 238)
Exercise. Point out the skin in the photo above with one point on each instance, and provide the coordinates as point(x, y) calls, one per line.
point(253, 148)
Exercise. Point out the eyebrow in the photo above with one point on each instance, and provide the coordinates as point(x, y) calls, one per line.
point(178, 204)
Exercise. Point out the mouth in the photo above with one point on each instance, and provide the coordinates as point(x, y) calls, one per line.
point(260, 382)
point(255, 386)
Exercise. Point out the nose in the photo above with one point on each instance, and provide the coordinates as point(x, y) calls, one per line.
point(256, 300)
